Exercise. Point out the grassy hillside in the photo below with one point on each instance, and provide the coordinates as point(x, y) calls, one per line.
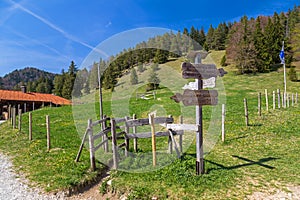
point(263, 156)
point(254, 158)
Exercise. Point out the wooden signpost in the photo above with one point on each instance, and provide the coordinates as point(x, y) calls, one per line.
point(198, 98)
point(207, 83)
point(201, 71)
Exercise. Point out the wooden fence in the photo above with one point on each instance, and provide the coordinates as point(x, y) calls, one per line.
point(280, 100)
point(110, 134)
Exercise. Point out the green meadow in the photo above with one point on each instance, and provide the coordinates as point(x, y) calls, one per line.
point(260, 157)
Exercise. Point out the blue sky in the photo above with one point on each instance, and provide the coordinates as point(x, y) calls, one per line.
point(49, 34)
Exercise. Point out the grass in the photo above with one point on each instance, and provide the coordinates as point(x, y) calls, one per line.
point(256, 158)
point(54, 170)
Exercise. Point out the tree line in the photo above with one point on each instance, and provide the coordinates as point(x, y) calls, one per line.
point(253, 45)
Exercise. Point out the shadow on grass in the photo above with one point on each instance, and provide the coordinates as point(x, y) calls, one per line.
point(260, 162)
point(255, 124)
point(236, 138)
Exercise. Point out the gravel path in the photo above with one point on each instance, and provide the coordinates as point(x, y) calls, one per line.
point(14, 188)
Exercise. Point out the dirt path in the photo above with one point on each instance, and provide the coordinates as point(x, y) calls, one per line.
point(14, 187)
point(92, 194)
point(276, 194)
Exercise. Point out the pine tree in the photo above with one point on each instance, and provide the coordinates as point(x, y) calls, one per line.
point(67, 87)
point(258, 40)
point(133, 77)
point(77, 86)
point(41, 87)
point(273, 37)
point(153, 81)
point(185, 43)
point(186, 32)
point(209, 39)
point(246, 53)
point(69, 80)
point(109, 78)
point(48, 86)
point(161, 56)
point(202, 37)
point(93, 76)
point(30, 87)
point(59, 83)
point(220, 36)
point(175, 48)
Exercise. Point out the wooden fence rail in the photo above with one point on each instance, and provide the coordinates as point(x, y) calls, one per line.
point(126, 135)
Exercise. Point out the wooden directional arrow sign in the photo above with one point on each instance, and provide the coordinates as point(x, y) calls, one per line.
point(197, 97)
point(185, 127)
point(201, 71)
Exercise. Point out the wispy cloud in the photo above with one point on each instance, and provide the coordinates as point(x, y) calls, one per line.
point(37, 42)
point(55, 27)
point(6, 13)
point(108, 24)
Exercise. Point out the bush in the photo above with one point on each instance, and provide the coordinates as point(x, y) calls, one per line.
point(223, 61)
point(152, 86)
point(293, 74)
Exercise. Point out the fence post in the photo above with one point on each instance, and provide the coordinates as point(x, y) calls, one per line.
point(91, 145)
point(151, 120)
point(114, 144)
point(127, 131)
point(9, 112)
point(48, 132)
point(246, 112)
point(283, 100)
point(104, 126)
point(293, 99)
point(267, 100)
point(170, 143)
point(274, 100)
point(30, 126)
point(223, 122)
point(259, 104)
point(134, 129)
point(20, 120)
point(14, 117)
point(180, 136)
point(296, 102)
point(286, 100)
point(278, 93)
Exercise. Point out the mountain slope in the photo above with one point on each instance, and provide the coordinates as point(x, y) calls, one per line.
point(28, 74)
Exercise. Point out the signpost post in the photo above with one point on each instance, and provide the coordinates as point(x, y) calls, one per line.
point(199, 97)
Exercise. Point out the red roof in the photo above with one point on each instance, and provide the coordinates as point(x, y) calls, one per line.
point(32, 96)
